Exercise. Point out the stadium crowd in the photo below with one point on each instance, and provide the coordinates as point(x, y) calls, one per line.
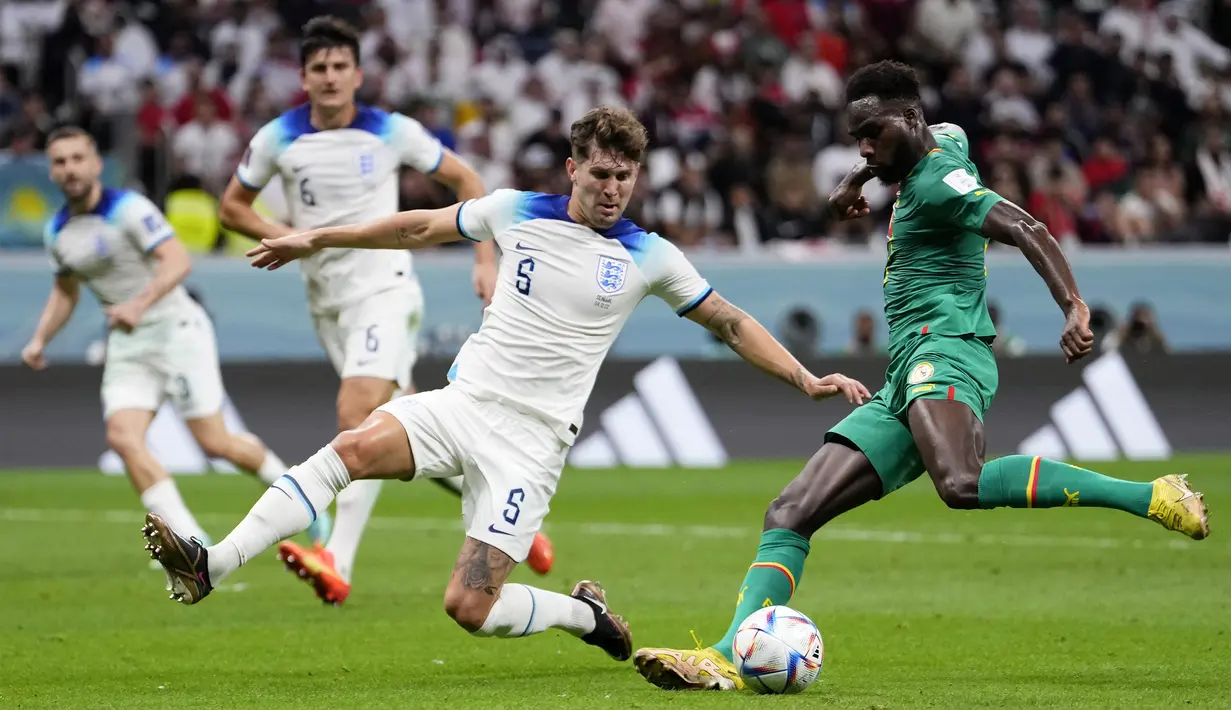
point(1106, 118)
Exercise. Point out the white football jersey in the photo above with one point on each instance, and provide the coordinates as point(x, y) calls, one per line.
point(109, 248)
point(341, 176)
point(564, 292)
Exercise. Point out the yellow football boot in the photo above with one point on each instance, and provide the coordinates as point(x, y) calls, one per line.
point(1176, 506)
point(698, 669)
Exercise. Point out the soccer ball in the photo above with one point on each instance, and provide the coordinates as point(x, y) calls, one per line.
point(778, 650)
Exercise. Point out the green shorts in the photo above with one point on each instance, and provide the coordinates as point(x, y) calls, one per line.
point(926, 367)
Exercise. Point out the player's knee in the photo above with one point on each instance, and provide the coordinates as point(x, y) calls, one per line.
point(469, 613)
point(352, 413)
point(959, 488)
point(123, 440)
point(787, 512)
point(358, 453)
point(215, 446)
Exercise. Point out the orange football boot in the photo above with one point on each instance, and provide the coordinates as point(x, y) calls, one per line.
point(542, 555)
point(315, 566)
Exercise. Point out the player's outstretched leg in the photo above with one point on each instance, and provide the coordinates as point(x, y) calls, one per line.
point(837, 479)
point(542, 554)
point(378, 449)
point(480, 601)
point(950, 441)
point(249, 454)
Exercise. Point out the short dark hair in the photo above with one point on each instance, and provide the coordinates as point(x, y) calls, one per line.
point(606, 128)
point(886, 80)
point(327, 32)
point(70, 131)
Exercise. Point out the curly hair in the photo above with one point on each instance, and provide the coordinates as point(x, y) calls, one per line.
point(327, 32)
point(607, 129)
point(886, 80)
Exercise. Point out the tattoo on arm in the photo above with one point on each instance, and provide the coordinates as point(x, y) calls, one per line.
point(404, 234)
point(483, 568)
point(724, 322)
point(798, 377)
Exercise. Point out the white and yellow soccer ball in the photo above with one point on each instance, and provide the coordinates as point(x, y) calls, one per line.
point(778, 651)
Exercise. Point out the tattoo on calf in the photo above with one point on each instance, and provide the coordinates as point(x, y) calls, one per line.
point(480, 564)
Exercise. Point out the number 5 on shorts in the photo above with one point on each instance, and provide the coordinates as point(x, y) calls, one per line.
point(513, 512)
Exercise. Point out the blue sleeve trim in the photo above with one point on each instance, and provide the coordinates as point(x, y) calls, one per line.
point(158, 241)
point(439, 160)
point(245, 183)
point(460, 229)
point(695, 302)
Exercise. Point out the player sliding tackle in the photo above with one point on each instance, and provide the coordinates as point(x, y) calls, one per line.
point(941, 376)
point(574, 270)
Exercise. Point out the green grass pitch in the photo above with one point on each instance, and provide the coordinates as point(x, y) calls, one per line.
point(919, 606)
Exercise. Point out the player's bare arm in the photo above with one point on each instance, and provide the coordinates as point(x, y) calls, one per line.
point(751, 341)
point(173, 267)
point(847, 200)
point(238, 215)
point(1009, 224)
point(455, 174)
point(61, 303)
point(415, 229)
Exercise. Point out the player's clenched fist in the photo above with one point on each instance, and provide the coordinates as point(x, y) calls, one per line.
point(273, 253)
point(1077, 340)
point(32, 355)
point(834, 385)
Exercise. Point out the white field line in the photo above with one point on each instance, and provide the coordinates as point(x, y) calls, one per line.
point(837, 533)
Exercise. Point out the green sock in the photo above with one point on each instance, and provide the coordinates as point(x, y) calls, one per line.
point(770, 581)
point(1036, 482)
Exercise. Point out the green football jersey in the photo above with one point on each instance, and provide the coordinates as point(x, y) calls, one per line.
point(935, 274)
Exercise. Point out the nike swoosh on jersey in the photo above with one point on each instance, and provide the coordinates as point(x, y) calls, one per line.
point(492, 528)
point(527, 247)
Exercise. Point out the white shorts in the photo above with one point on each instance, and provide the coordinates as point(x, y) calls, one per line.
point(510, 462)
point(176, 359)
point(376, 337)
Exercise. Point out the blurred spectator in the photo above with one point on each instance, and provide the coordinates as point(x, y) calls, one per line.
point(801, 332)
point(1027, 42)
point(1131, 21)
point(1209, 182)
point(946, 26)
point(1139, 333)
point(1102, 324)
point(206, 148)
point(109, 84)
point(690, 211)
point(863, 335)
point(1106, 167)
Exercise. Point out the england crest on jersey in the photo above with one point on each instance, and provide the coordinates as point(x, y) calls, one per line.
point(611, 273)
point(367, 164)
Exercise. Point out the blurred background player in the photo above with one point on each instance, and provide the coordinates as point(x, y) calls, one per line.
point(942, 374)
point(339, 162)
point(507, 428)
point(161, 342)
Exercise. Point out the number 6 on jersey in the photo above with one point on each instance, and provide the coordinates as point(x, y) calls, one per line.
point(525, 267)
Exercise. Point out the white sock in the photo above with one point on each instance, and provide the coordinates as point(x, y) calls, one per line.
point(287, 507)
point(163, 499)
point(271, 469)
point(521, 611)
point(354, 508)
